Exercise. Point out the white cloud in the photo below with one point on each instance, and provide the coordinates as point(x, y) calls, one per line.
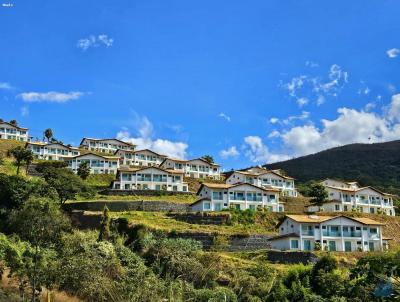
point(94, 41)
point(351, 126)
point(302, 117)
point(306, 89)
point(273, 120)
point(394, 108)
point(24, 111)
point(369, 106)
point(302, 102)
point(224, 116)
point(312, 64)
point(274, 134)
point(393, 52)
point(230, 152)
point(145, 140)
point(5, 85)
point(258, 152)
point(51, 96)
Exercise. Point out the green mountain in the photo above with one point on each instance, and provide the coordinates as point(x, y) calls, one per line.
point(370, 164)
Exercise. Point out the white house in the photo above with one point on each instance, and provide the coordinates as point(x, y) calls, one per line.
point(333, 233)
point(142, 158)
point(195, 168)
point(105, 145)
point(264, 178)
point(10, 131)
point(99, 164)
point(149, 178)
point(345, 196)
point(216, 197)
point(51, 151)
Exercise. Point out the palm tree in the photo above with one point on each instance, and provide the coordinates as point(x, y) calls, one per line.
point(48, 133)
point(208, 158)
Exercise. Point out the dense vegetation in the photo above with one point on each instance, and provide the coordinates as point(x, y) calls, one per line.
point(370, 164)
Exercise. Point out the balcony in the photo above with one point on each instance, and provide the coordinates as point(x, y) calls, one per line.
point(373, 236)
point(363, 201)
point(331, 233)
point(254, 199)
point(376, 202)
point(351, 233)
point(307, 232)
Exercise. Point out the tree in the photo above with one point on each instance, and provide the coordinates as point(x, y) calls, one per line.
point(105, 233)
point(318, 192)
point(14, 122)
point(84, 170)
point(65, 182)
point(41, 223)
point(208, 158)
point(48, 133)
point(21, 155)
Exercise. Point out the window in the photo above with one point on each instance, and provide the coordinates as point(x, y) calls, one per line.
point(206, 206)
point(252, 207)
point(294, 244)
point(337, 207)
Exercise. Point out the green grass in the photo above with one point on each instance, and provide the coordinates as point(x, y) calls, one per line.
point(185, 199)
point(160, 221)
point(100, 180)
point(8, 144)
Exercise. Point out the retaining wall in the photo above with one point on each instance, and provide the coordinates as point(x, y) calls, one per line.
point(120, 206)
point(142, 193)
point(202, 218)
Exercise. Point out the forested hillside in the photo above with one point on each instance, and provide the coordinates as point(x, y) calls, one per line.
point(370, 164)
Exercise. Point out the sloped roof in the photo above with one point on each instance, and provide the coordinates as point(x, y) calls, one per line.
point(18, 127)
point(290, 235)
point(228, 186)
point(97, 155)
point(106, 139)
point(130, 169)
point(320, 219)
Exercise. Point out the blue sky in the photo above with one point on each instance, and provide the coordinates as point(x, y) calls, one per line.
point(247, 82)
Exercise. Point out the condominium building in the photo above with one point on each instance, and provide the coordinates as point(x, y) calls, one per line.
point(99, 164)
point(195, 168)
point(14, 132)
point(347, 196)
point(149, 178)
point(142, 158)
point(51, 151)
point(332, 233)
point(242, 196)
point(105, 145)
point(262, 177)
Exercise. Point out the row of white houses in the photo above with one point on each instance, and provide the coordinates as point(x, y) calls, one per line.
point(331, 233)
point(13, 132)
point(350, 196)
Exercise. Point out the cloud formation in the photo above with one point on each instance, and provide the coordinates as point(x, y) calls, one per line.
point(230, 152)
point(5, 85)
point(145, 140)
point(50, 97)
point(94, 41)
point(257, 152)
point(393, 52)
point(306, 89)
point(24, 111)
point(224, 116)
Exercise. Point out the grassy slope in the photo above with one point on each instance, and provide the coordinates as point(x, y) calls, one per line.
point(160, 221)
point(7, 165)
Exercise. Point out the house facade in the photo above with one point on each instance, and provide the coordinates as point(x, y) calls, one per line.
point(51, 151)
point(195, 168)
point(98, 164)
point(332, 233)
point(141, 158)
point(10, 131)
point(149, 178)
point(348, 196)
point(216, 197)
point(264, 178)
point(106, 145)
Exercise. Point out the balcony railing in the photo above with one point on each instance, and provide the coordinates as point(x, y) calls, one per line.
point(331, 233)
point(373, 236)
point(352, 234)
point(307, 233)
point(376, 202)
point(254, 198)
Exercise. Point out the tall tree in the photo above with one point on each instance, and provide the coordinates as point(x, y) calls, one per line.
point(105, 232)
point(21, 155)
point(65, 182)
point(84, 170)
point(41, 223)
point(14, 122)
point(318, 193)
point(48, 133)
point(208, 158)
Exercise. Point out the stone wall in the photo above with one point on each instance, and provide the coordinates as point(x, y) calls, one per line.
point(143, 193)
point(201, 218)
point(120, 206)
point(291, 257)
